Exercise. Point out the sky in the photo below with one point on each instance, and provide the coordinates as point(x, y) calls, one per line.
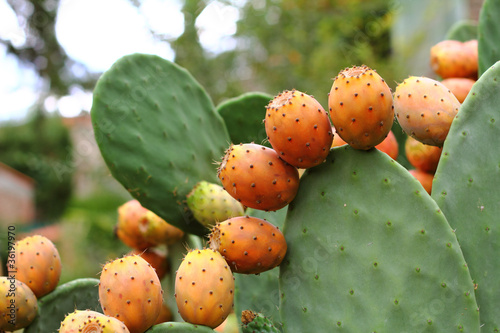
point(96, 33)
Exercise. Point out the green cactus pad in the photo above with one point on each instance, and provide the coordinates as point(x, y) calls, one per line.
point(159, 134)
point(370, 251)
point(463, 31)
point(80, 294)
point(259, 324)
point(176, 327)
point(466, 187)
point(244, 117)
point(489, 28)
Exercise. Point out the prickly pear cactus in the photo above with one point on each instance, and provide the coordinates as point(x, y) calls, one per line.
point(53, 308)
point(370, 251)
point(243, 116)
point(489, 26)
point(466, 188)
point(176, 327)
point(158, 132)
point(463, 31)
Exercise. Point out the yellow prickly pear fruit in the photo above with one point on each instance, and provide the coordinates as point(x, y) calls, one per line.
point(18, 305)
point(91, 322)
point(37, 263)
point(130, 291)
point(204, 288)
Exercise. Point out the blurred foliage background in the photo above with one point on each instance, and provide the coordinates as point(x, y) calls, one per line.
point(281, 44)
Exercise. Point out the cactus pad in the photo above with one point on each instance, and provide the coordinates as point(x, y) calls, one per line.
point(158, 132)
point(463, 31)
point(243, 116)
point(466, 187)
point(489, 27)
point(370, 251)
point(81, 294)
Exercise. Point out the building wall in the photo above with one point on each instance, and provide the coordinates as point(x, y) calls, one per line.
point(90, 171)
point(17, 197)
point(474, 8)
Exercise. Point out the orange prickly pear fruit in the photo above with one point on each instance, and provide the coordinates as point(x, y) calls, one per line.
point(453, 58)
point(130, 291)
point(250, 245)
point(165, 314)
point(425, 109)
point(140, 228)
point(337, 140)
point(204, 288)
point(91, 321)
point(389, 146)
point(37, 264)
point(459, 86)
point(361, 107)
point(230, 325)
point(424, 178)
point(18, 305)
point(298, 128)
point(423, 157)
point(156, 257)
point(257, 177)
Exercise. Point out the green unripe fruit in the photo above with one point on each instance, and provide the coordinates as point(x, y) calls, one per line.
point(210, 204)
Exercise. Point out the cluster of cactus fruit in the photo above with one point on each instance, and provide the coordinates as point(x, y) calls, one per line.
point(308, 217)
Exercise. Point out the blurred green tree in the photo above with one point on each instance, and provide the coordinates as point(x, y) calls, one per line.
point(38, 149)
point(304, 44)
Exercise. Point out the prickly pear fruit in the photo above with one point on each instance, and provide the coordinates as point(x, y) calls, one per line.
point(91, 322)
point(257, 177)
point(18, 304)
point(230, 325)
point(298, 128)
point(423, 157)
point(37, 264)
point(389, 146)
point(425, 109)
point(256, 322)
point(210, 204)
point(250, 245)
point(459, 86)
point(130, 291)
point(361, 107)
point(165, 314)
point(337, 140)
point(453, 58)
point(204, 288)
point(156, 257)
point(140, 228)
point(424, 178)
